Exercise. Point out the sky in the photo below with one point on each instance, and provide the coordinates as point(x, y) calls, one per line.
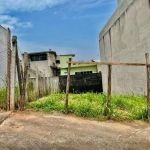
point(64, 26)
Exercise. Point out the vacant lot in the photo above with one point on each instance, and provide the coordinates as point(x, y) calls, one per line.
point(92, 105)
point(37, 131)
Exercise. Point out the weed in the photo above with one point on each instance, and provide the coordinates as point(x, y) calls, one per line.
point(3, 98)
point(93, 105)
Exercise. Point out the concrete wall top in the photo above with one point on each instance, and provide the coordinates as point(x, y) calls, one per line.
point(124, 4)
point(119, 2)
point(3, 28)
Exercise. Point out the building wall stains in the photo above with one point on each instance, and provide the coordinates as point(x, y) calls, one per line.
point(126, 38)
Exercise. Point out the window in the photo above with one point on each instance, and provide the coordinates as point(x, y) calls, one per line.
point(83, 72)
point(58, 72)
point(38, 57)
point(57, 61)
point(65, 72)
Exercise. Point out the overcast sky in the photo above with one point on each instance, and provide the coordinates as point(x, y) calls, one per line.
point(65, 26)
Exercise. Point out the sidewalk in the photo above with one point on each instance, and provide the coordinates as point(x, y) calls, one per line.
point(4, 115)
point(38, 131)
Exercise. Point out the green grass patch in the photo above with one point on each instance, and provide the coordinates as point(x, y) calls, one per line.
point(123, 108)
point(3, 98)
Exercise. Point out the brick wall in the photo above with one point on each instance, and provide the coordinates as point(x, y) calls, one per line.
point(127, 39)
point(82, 83)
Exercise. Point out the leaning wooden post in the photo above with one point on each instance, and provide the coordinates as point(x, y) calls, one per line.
point(18, 71)
point(109, 92)
point(148, 86)
point(67, 86)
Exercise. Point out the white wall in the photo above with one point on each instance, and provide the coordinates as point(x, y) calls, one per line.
point(127, 40)
point(42, 66)
point(120, 1)
point(52, 84)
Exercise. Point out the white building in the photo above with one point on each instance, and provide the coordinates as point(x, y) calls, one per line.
point(43, 61)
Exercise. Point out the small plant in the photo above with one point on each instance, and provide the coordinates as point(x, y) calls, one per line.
point(3, 94)
point(32, 94)
point(3, 98)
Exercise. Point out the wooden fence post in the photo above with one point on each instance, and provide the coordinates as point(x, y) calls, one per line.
point(8, 67)
point(48, 84)
point(67, 87)
point(37, 82)
point(109, 92)
point(148, 86)
point(18, 71)
point(24, 81)
point(44, 85)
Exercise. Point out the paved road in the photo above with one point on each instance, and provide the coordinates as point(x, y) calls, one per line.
point(36, 131)
point(4, 115)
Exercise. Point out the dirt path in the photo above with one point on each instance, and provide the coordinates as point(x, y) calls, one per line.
point(35, 131)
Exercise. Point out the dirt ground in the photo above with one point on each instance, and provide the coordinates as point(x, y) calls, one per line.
point(37, 131)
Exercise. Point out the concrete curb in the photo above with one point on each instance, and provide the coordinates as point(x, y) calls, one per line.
point(4, 115)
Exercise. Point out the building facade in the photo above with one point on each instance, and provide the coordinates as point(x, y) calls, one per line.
point(126, 38)
point(75, 68)
point(83, 69)
point(51, 64)
point(62, 63)
point(43, 61)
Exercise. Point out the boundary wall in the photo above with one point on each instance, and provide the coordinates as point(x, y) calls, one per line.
point(126, 38)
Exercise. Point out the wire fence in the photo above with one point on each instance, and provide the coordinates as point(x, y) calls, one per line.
point(4, 66)
point(3, 78)
point(15, 84)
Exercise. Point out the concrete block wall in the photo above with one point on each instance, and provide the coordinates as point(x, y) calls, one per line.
point(3, 56)
point(126, 38)
point(82, 83)
point(52, 84)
